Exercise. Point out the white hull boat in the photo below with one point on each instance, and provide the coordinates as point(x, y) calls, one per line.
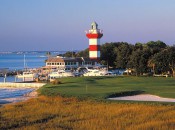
point(95, 72)
point(60, 74)
point(27, 76)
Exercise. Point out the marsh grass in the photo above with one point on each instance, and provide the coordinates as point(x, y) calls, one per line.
point(71, 113)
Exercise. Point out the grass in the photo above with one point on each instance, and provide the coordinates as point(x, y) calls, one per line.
point(103, 87)
point(60, 106)
point(71, 113)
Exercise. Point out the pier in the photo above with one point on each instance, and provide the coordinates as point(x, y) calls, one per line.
point(22, 85)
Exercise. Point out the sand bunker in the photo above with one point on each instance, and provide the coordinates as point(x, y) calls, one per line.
point(144, 97)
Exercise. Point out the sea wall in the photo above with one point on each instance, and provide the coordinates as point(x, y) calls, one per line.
point(19, 85)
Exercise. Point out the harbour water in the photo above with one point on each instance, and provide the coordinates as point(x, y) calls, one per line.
point(8, 95)
point(19, 60)
point(15, 61)
point(13, 92)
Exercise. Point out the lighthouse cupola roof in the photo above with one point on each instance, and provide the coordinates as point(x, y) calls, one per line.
point(94, 25)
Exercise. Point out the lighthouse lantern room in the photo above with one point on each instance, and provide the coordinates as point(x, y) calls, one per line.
point(94, 35)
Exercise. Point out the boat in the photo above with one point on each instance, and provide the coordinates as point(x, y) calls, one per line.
point(27, 76)
point(95, 72)
point(59, 74)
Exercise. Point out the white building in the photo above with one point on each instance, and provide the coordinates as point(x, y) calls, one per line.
point(69, 63)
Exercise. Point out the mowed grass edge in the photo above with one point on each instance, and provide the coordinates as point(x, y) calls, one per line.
point(103, 87)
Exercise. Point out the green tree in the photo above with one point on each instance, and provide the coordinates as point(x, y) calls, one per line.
point(156, 47)
point(138, 45)
point(69, 54)
point(107, 54)
point(84, 53)
point(161, 60)
point(139, 60)
point(123, 52)
point(171, 59)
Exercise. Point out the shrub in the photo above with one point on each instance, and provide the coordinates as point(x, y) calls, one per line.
point(56, 81)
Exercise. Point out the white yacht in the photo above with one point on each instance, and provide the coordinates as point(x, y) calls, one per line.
point(95, 72)
point(60, 74)
point(27, 76)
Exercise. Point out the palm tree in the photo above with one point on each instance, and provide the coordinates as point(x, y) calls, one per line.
point(151, 64)
point(48, 54)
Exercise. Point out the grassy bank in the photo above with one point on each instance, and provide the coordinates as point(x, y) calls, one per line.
point(70, 113)
point(102, 87)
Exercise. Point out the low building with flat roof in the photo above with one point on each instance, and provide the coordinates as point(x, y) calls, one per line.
point(70, 62)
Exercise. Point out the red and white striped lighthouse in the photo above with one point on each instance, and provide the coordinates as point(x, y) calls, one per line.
point(94, 35)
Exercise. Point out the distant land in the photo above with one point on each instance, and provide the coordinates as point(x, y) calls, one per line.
point(35, 52)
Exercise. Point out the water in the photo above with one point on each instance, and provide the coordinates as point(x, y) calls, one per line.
point(9, 95)
point(10, 79)
point(13, 92)
point(15, 61)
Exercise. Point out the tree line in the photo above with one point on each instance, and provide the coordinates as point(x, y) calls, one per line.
point(154, 57)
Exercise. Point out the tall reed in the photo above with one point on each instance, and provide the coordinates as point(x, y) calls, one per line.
point(70, 113)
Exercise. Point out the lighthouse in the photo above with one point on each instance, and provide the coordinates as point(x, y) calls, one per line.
point(94, 35)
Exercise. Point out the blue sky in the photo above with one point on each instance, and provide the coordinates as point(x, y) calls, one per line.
point(60, 24)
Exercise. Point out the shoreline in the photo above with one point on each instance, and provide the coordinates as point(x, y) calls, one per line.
point(24, 97)
point(143, 97)
point(21, 85)
point(18, 92)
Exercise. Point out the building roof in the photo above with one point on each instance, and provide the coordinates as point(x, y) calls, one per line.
point(54, 59)
point(68, 59)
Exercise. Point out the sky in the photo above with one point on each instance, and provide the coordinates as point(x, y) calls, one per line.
point(59, 25)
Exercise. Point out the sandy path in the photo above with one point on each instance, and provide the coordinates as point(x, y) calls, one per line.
point(144, 97)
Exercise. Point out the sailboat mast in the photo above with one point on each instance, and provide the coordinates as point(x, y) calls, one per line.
point(24, 62)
